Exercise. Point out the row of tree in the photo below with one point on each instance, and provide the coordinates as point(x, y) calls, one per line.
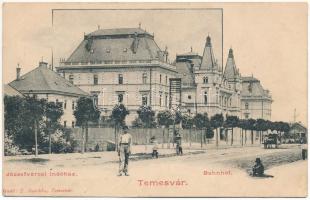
point(146, 118)
point(32, 122)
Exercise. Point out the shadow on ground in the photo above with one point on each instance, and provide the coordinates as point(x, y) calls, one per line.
point(32, 160)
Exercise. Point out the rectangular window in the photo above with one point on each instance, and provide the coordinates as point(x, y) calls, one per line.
point(189, 97)
point(144, 100)
point(120, 79)
point(120, 98)
point(95, 99)
point(95, 79)
point(73, 105)
point(144, 78)
point(72, 124)
point(160, 97)
point(71, 78)
point(159, 78)
point(65, 104)
point(166, 100)
point(166, 80)
point(65, 124)
point(206, 98)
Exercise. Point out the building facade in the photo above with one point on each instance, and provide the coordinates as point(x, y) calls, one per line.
point(121, 66)
point(127, 66)
point(44, 83)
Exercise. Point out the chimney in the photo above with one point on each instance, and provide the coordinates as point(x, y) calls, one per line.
point(18, 72)
point(43, 64)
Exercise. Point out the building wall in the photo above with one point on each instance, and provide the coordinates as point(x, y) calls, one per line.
point(68, 105)
point(256, 109)
point(151, 82)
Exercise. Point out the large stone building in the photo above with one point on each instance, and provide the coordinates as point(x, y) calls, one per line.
point(42, 82)
point(127, 66)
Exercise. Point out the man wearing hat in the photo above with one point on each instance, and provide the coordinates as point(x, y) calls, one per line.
point(258, 168)
point(124, 151)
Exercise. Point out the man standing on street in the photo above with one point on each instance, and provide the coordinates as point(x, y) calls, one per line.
point(124, 151)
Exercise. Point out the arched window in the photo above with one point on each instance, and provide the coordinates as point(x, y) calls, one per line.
point(205, 98)
point(205, 80)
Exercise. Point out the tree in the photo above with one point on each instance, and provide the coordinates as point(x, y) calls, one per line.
point(118, 115)
point(84, 113)
point(201, 121)
point(35, 112)
point(261, 126)
point(165, 118)
point(231, 122)
point(187, 121)
point(53, 113)
point(146, 115)
point(216, 122)
point(251, 125)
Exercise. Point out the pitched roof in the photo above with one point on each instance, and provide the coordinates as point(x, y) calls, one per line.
point(10, 91)
point(208, 60)
point(252, 87)
point(231, 71)
point(298, 126)
point(185, 73)
point(117, 31)
point(44, 80)
point(122, 47)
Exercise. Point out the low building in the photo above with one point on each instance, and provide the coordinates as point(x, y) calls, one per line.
point(10, 91)
point(298, 131)
point(42, 82)
point(255, 100)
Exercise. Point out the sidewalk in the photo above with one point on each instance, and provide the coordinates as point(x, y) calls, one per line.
point(139, 152)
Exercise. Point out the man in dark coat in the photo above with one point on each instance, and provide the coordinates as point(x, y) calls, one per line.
point(258, 168)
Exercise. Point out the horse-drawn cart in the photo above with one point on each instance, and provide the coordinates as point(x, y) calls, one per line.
point(269, 140)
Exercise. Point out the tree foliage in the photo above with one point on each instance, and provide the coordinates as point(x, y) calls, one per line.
point(119, 114)
point(187, 121)
point(147, 116)
point(165, 118)
point(201, 121)
point(85, 111)
point(216, 121)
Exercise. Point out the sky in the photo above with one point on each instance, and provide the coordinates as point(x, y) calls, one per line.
point(269, 39)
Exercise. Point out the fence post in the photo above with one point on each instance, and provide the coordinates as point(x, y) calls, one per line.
point(190, 138)
point(217, 138)
point(163, 140)
point(201, 139)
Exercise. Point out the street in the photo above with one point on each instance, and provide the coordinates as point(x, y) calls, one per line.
point(221, 172)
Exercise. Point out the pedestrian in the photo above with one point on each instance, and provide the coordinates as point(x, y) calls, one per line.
point(258, 168)
point(155, 147)
point(304, 149)
point(179, 148)
point(124, 150)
